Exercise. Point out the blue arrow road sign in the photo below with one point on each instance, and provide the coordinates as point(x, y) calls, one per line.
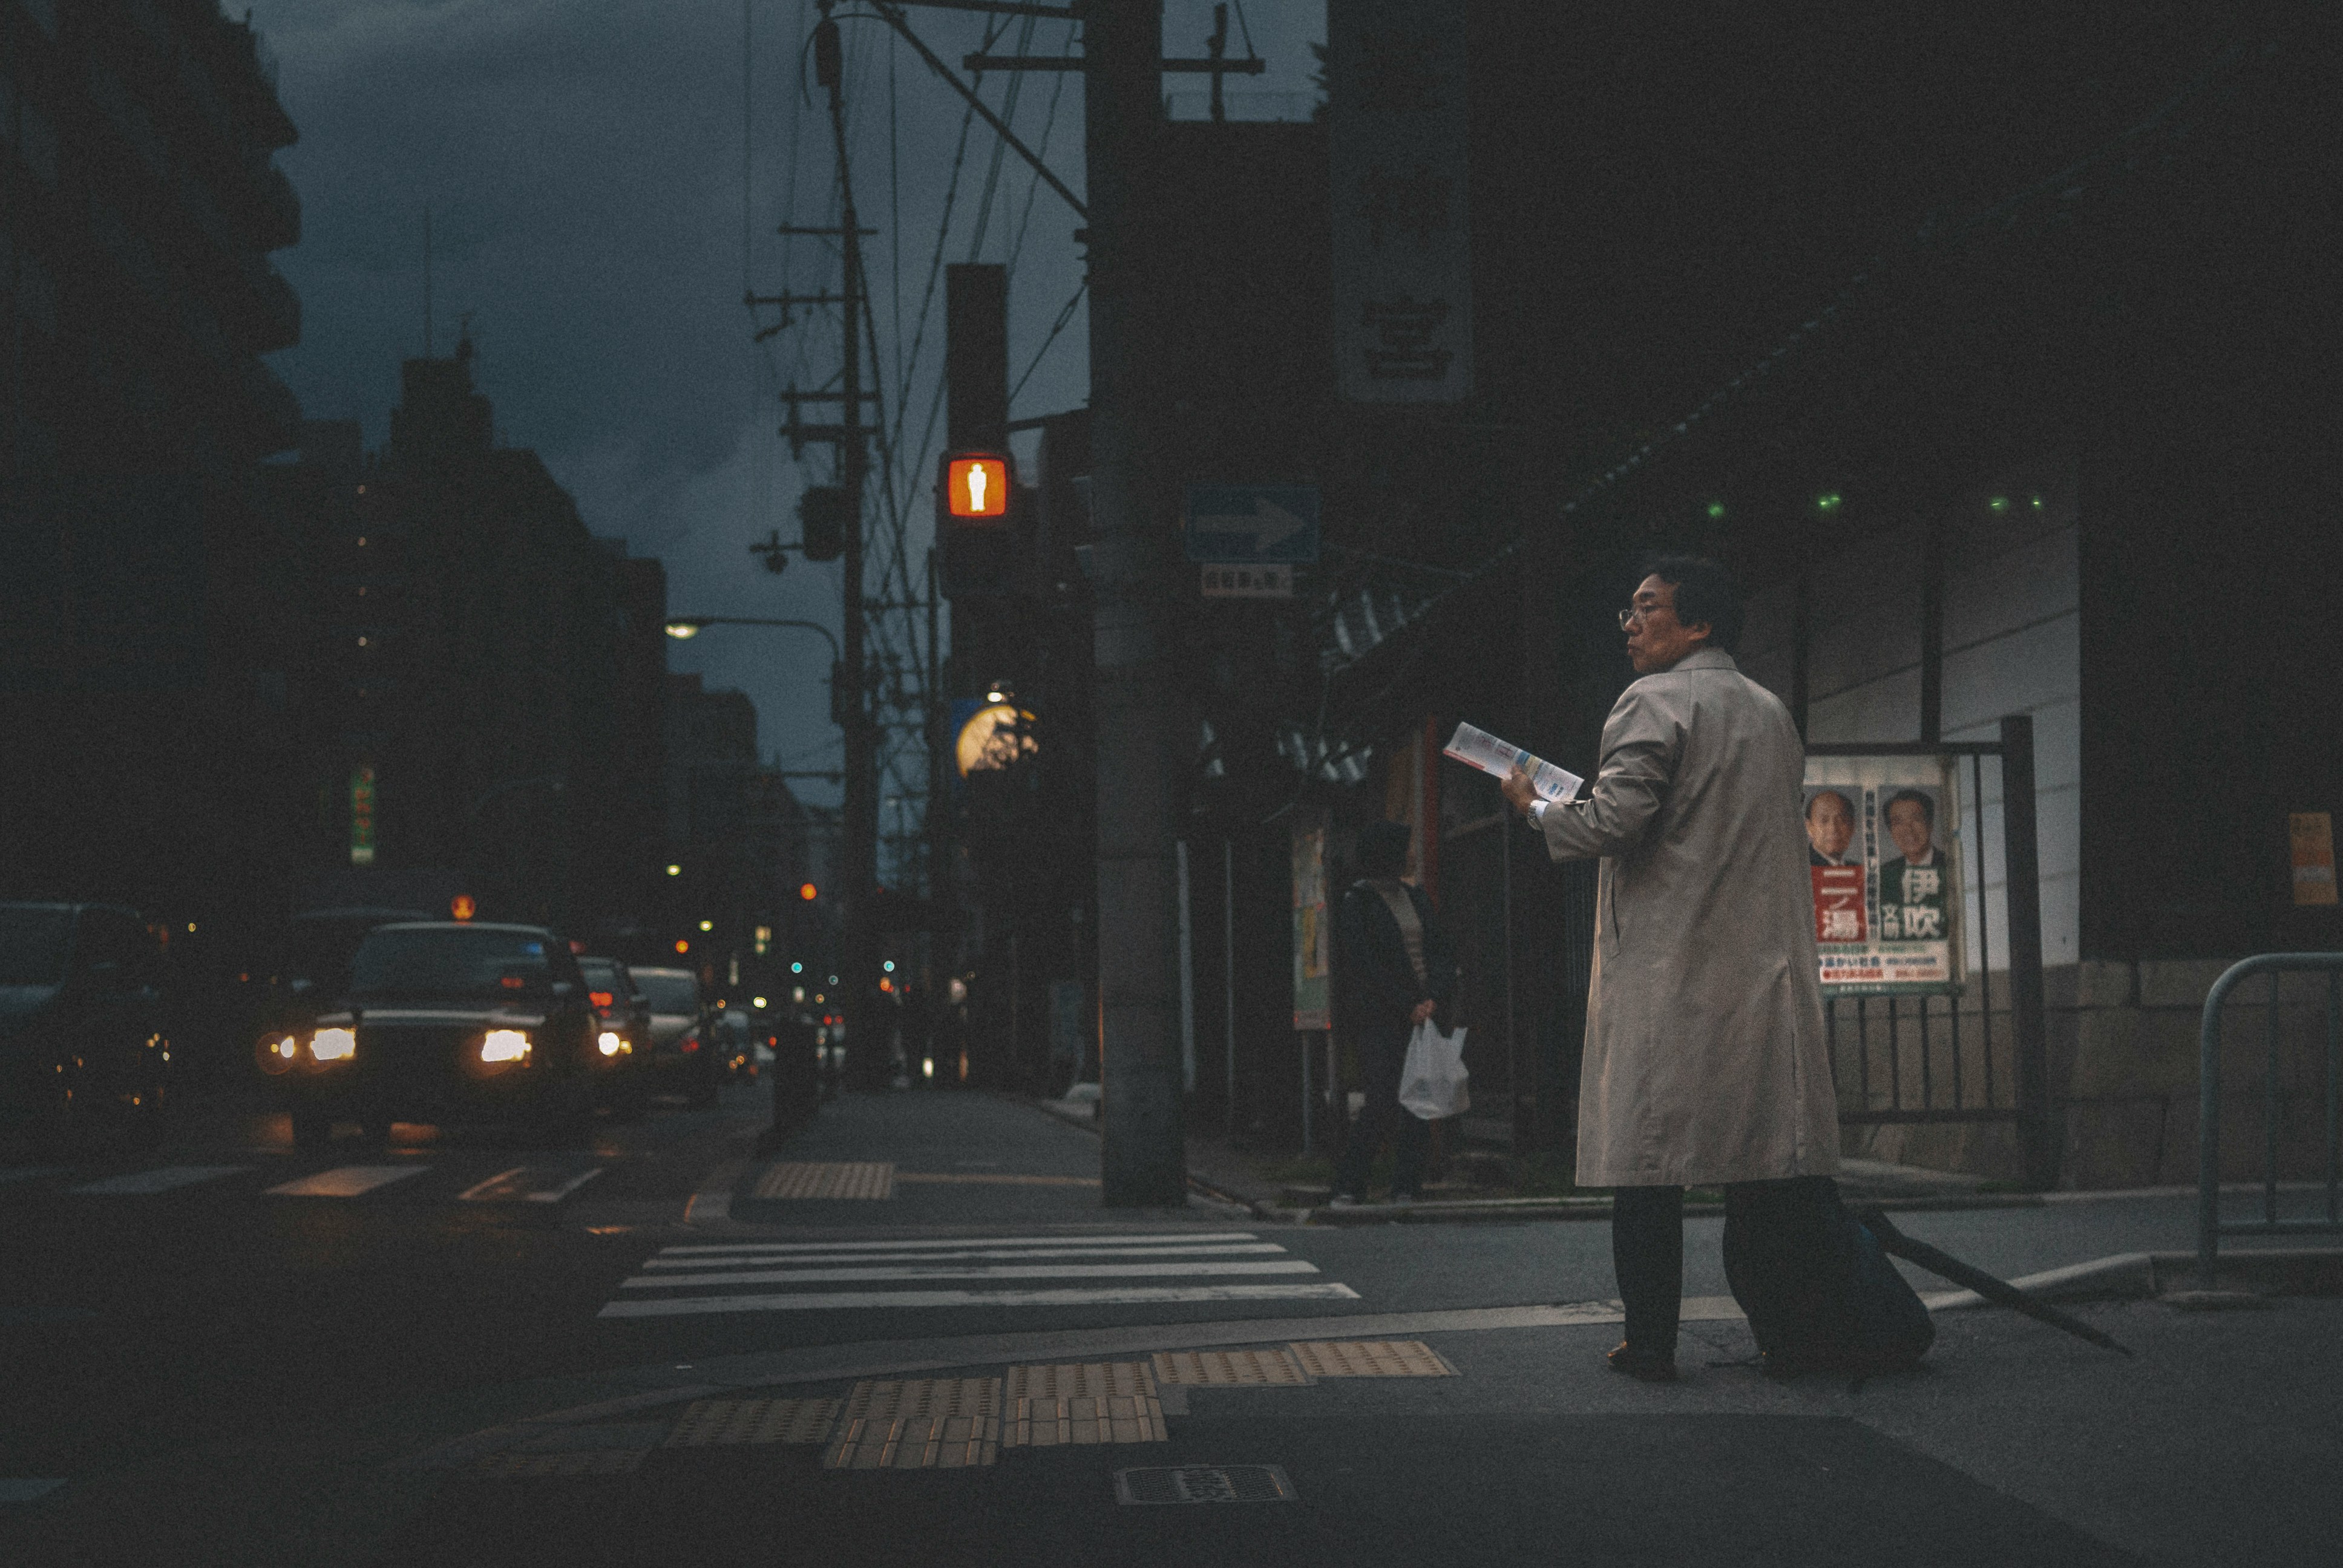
point(1243, 524)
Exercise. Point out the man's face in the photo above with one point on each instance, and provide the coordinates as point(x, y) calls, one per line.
point(1830, 824)
point(1907, 824)
point(1656, 640)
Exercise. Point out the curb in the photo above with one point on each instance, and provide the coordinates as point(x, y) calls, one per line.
point(2148, 1276)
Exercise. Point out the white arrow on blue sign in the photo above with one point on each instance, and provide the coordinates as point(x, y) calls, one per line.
point(1243, 524)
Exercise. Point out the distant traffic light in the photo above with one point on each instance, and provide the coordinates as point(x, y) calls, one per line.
point(822, 512)
point(807, 891)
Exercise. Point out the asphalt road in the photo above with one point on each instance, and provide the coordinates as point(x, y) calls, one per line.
point(229, 1350)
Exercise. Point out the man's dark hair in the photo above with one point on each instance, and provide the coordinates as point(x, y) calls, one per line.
point(1705, 591)
point(1927, 807)
point(1383, 848)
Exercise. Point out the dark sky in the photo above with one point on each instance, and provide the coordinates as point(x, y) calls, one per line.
point(583, 164)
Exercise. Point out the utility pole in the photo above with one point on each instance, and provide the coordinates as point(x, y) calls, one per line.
point(1144, 1146)
point(857, 989)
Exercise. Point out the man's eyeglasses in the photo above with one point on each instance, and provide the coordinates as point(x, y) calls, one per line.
point(1629, 617)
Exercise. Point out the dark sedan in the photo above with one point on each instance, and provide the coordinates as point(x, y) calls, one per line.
point(82, 1044)
point(447, 1022)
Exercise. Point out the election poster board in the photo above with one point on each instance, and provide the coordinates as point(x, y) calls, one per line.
point(1884, 852)
point(1313, 942)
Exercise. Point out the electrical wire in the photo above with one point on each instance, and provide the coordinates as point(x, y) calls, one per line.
point(1064, 315)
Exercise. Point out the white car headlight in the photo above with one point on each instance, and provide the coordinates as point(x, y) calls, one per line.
point(612, 1043)
point(504, 1045)
point(333, 1045)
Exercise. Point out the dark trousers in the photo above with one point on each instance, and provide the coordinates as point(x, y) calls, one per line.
point(1380, 1061)
point(1777, 1260)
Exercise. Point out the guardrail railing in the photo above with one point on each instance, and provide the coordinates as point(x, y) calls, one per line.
point(2210, 1227)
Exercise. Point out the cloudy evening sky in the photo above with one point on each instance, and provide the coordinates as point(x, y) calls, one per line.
point(583, 164)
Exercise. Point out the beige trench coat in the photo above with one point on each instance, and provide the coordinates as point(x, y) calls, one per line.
point(1705, 1061)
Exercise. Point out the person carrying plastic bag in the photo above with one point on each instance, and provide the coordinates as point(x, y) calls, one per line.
point(1393, 971)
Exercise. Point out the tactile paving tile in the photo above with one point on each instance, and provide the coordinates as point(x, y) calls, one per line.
point(569, 1461)
point(1371, 1358)
point(1229, 1369)
point(918, 1423)
point(827, 1178)
point(1082, 1402)
point(710, 1421)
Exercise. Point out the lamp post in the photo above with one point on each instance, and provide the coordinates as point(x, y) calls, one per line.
point(861, 879)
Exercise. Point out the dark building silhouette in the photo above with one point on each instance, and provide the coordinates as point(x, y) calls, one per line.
point(144, 690)
point(482, 692)
point(743, 845)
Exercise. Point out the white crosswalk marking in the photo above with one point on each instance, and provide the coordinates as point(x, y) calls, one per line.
point(161, 1179)
point(530, 1184)
point(346, 1180)
point(686, 1278)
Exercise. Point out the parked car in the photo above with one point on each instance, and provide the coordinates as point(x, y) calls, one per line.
point(83, 1046)
point(682, 1058)
point(447, 1021)
point(622, 1027)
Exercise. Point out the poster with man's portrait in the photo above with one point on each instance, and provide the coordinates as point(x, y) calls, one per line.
point(1882, 851)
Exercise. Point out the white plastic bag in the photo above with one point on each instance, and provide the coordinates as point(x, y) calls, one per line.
point(1432, 1082)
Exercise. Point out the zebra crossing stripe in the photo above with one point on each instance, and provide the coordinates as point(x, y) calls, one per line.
point(1185, 1250)
point(1116, 1238)
point(162, 1179)
point(832, 1300)
point(529, 1184)
point(1195, 1269)
point(346, 1180)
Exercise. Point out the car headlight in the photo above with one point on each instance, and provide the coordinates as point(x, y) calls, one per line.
point(612, 1043)
point(333, 1045)
point(504, 1045)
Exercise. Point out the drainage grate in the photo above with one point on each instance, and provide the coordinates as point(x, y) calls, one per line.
point(1230, 1369)
point(569, 1462)
point(711, 1422)
point(837, 1179)
point(1203, 1483)
point(1371, 1358)
point(919, 1423)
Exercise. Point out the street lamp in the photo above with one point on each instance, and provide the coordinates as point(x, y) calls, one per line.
point(684, 628)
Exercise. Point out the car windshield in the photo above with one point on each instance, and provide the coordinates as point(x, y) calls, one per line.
point(35, 945)
point(601, 973)
point(449, 962)
point(669, 993)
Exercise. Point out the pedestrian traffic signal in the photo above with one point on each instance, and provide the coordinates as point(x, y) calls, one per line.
point(976, 487)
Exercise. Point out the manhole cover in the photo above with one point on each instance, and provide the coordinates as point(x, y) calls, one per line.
point(1203, 1483)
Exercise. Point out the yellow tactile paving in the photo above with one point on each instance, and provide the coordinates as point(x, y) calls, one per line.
point(990, 1179)
point(573, 1462)
point(1082, 1402)
point(829, 1179)
point(1229, 1369)
point(736, 1420)
point(1371, 1358)
point(918, 1423)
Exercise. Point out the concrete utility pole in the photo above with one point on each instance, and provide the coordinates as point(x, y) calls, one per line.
point(858, 970)
point(1144, 1156)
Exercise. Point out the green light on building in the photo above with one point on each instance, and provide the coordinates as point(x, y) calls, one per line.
point(1715, 510)
point(1998, 504)
point(1828, 502)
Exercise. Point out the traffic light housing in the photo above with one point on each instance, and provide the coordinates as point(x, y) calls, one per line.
point(822, 513)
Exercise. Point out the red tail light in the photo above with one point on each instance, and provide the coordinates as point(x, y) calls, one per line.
point(600, 998)
point(687, 1043)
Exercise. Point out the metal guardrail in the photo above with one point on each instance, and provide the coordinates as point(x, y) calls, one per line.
point(2209, 1226)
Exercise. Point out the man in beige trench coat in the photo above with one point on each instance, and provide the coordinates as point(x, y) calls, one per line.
point(1705, 1063)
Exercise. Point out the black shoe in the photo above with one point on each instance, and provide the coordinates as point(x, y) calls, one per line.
point(1643, 1367)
